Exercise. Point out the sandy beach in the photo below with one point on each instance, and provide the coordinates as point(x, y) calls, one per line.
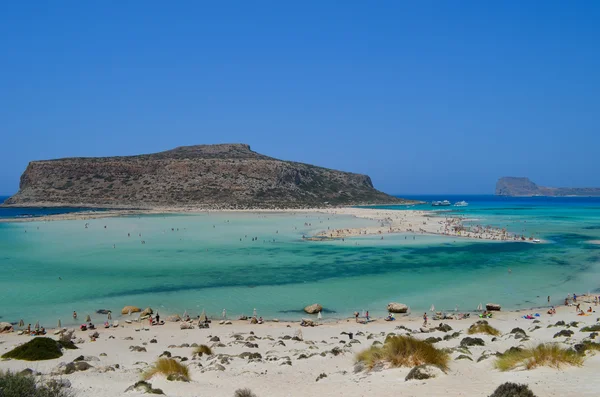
point(389, 221)
point(291, 359)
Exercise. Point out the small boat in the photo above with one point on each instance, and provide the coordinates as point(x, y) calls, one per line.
point(537, 240)
point(461, 204)
point(444, 203)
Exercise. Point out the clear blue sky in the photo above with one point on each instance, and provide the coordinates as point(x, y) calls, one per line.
point(425, 97)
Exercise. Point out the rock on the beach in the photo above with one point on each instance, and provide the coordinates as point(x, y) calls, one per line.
point(424, 372)
point(6, 327)
point(394, 307)
point(132, 309)
point(173, 319)
point(66, 369)
point(147, 311)
point(313, 309)
point(493, 307)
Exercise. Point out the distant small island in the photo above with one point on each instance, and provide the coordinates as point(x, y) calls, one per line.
point(225, 176)
point(524, 187)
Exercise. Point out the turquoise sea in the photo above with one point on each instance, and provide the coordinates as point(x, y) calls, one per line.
point(210, 261)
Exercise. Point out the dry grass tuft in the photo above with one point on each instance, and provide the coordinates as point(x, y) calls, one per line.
point(548, 355)
point(482, 327)
point(203, 349)
point(404, 351)
point(168, 367)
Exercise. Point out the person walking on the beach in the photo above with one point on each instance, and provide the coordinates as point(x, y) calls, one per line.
point(425, 319)
point(356, 316)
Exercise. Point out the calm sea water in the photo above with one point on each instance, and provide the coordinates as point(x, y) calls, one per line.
point(210, 261)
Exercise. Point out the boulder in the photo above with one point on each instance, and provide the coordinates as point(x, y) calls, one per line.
point(424, 372)
point(394, 307)
point(308, 322)
point(493, 307)
point(130, 309)
point(6, 327)
point(313, 309)
point(173, 319)
point(147, 311)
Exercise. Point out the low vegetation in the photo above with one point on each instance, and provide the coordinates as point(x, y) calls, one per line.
point(549, 355)
point(591, 328)
point(18, 385)
point(404, 351)
point(170, 368)
point(482, 327)
point(510, 389)
point(203, 349)
point(244, 393)
point(35, 350)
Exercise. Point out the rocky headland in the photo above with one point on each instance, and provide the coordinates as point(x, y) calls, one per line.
point(524, 187)
point(226, 176)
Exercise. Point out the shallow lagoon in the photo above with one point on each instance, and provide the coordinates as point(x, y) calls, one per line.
point(47, 273)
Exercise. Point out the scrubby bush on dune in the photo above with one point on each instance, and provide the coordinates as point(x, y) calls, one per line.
point(19, 385)
point(482, 327)
point(404, 351)
point(203, 349)
point(509, 389)
point(170, 368)
point(244, 393)
point(35, 350)
point(549, 355)
point(591, 328)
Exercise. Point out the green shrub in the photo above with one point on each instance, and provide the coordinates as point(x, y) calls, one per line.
point(203, 349)
point(170, 368)
point(591, 328)
point(549, 355)
point(404, 351)
point(509, 389)
point(244, 393)
point(482, 327)
point(20, 385)
point(35, 350)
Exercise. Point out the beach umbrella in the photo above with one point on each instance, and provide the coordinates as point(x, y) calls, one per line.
point(88, 319)
point(480, 307)
point(37, 325)
point(109, 315)
point(185, 314)
point(432, 308)
point(224, 314)
point(254, 312)
point(320, 316)
point(21, 323)
point(456, 308)
point(59, 324)
point(129, 312)
point(202, 317)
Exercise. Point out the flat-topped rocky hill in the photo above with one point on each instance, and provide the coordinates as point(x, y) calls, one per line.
point(208, 176)
point(521, 186)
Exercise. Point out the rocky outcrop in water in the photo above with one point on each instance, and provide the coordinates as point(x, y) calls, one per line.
point(524, 187)
point(211, 176)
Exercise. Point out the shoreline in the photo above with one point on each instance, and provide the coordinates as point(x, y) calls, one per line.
point(416, 222)
point(284, 359)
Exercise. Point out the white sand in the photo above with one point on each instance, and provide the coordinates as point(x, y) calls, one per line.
point(271, 378)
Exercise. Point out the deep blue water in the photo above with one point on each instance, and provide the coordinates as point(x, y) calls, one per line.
point(8, 213)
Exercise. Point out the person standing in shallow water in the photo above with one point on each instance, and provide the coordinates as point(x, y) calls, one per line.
point(425, 319)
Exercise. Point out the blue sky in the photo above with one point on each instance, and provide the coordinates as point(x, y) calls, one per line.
point(425, 97)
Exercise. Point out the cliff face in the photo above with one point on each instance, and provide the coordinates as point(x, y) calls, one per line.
point(513, 186)
point(215, 176)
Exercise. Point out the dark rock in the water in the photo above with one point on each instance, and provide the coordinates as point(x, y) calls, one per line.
point(103, 311)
